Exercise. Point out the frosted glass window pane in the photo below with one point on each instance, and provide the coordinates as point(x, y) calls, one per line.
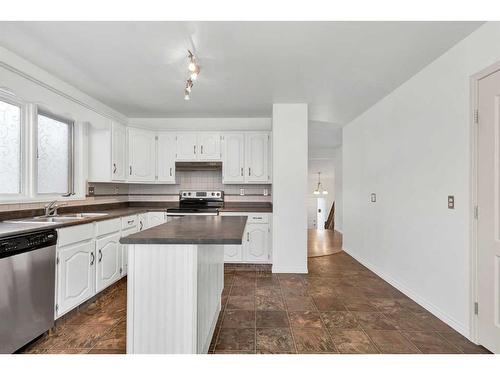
point(54, 156)
point(10, 148)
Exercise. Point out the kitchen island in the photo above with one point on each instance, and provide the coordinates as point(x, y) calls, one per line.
point(175, 282)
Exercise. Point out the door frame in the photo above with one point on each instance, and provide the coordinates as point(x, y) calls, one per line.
point(474, 133)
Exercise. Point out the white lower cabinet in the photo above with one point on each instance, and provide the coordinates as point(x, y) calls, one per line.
point(75, 275)
point(256, 242)
point(109, 261)
point(156, 218)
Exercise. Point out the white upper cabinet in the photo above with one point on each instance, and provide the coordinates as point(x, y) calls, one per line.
point(107, 148)
point(233, 158)
point(209, 146)
point(118, 152)
point(186, 146)
point(141, 155)
point(165, 157)
point(257, 157)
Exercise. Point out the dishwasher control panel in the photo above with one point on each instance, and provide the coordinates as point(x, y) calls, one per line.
point(26, 242)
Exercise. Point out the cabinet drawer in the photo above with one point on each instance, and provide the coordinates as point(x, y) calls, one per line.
point(75, 234)
point(129, 221)
point(107, 226)
point(258, 218)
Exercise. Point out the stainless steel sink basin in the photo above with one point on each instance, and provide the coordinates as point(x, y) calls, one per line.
point(58, 218)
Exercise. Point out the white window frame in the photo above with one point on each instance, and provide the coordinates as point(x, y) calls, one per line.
point(24, 164)
point(38, 110)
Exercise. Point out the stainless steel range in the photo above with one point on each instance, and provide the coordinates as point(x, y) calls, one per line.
point(198, 203)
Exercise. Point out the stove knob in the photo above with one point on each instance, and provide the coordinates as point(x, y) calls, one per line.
point(218, 194)
point(213, 193)
point(189, 193)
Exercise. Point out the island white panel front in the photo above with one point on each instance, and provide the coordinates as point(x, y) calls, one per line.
point(174, 294)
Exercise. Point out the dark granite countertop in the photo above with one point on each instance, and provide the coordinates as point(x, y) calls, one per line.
point(193, 230)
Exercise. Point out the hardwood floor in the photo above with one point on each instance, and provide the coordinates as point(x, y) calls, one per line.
point(339, 307)
point(323, 242)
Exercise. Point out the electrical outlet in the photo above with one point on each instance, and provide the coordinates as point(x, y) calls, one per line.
point(373, 197)
point(91, 190)
point(451, 202)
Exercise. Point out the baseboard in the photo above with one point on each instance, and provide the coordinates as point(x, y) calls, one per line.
point(464, 330)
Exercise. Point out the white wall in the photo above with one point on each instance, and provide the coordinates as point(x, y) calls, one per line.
point(413, 150)
point(290, 188)
point(338, 195)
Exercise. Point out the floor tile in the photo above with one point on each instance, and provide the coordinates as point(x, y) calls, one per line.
point(391, 342)
point(236, 339)
point(340, 320)
point(360, 304)
point(271, 319)
point(313, 340)
point(269, 303)
point(76, 337)
point(300, 303)
point(431, 343)
point(238, 319)
point(241, 303)
point(374, 320)
point(305, 319)
point(327, 303)
point(352, 342)
point(463, 344)
point(274, 340)
point(242, 290)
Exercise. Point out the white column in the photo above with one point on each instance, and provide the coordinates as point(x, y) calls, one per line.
point(290, 188)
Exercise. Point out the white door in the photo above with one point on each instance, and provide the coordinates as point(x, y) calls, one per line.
point(75, 275)
point(108, 252)
point(488, 245)
point(141, 155)
point(119, 152)
point(233, 158)
point(186, 148)
point(124, 250)
point(256, 157)
point(209, 144)
point(320, 213)
point(233, 253)
point(156, 218)
point(165, 160)
point(256, 243)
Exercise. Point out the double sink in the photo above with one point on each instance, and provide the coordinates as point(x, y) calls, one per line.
point(57, 218)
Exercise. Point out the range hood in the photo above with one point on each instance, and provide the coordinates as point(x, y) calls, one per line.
point(198, 166)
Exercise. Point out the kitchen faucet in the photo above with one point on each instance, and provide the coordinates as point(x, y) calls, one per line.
point(51, 208)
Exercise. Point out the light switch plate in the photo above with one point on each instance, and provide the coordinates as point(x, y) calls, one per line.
point(451, 202)
point(373, 197)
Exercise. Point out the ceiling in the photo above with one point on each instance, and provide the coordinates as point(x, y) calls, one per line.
point(139, 68)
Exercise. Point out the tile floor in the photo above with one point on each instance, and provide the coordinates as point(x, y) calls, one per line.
point(339, 307)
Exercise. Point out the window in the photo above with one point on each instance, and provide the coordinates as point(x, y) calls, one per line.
point(54, 155)
point(10, 149)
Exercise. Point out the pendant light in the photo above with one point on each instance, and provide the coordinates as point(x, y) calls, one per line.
point(319, 188)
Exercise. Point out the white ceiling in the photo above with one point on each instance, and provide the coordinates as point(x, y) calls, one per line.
point(139, 68)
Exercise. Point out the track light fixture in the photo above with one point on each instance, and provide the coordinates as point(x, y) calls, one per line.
point(194, 70)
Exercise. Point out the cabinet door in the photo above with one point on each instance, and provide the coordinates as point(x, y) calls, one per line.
point(108, 261)
point(256, 243)
point(165, 157)
point(155, 218)
point(233, 253)
point(256, 157)
point(141, 155)
point(233, 158)
point(143, 222)
point(118, 152)
point(209, 145)
point(75, 275)
point(186, 146)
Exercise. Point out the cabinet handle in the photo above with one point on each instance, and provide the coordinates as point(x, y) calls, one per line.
point(114, 168)
point(194, 147)
point(130, 222)
point(242, 171)
point(140, 225)
point(248, 236)
point(100, 255)
point(170, 171)
point(130, 170)
point(257, 217)
point(93, 258)
point(202, 149)
point(249, 171)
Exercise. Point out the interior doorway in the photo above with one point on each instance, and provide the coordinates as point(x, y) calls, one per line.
point(487, 228)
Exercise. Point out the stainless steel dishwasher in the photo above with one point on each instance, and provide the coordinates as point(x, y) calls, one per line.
point(27, 286)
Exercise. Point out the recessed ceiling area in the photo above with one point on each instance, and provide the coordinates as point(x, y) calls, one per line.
point(139, 68)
